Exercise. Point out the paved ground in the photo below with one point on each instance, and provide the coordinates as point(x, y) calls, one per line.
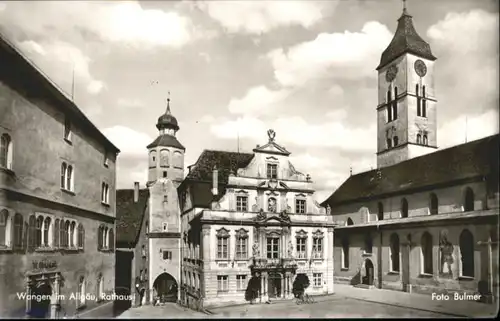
point(169, 311)
point(325, 307)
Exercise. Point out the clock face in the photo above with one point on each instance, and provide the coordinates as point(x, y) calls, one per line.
point(390, 75)
point(420, 68)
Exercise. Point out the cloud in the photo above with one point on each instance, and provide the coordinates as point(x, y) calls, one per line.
point(257, 17)
point(130, 142)
point(130, 103)
point(257, 100)
point(245, 127)
point(351, 55)
point(207, 119)
point(67, 56)
point(115, 21)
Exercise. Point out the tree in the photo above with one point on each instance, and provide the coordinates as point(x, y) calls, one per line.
point(300, 283)
point(253, 289)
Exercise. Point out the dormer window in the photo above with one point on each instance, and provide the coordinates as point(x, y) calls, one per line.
point(300, 206)
point(272, 171)
point(67, 129)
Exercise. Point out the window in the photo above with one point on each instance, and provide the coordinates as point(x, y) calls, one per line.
point(434, 206)
point(67, 129)
point(419, 139)
point(395, 141)
point(222, 283)
point(301, 247)
point(111, 240)
point(164, 158)
point(32, 232)
point(222, 247)
point(380, 211)
point(56, 233)
point(241, 203)
point(272, 171)
point(426, 245)
point(273, 247)
point(425, 141)
point(167, 255)
point(404, 208)
point(105, 240)
point(46, 226)
point(317, 247)
point(106, 159)
point(18, 231)
point(389, 114)
point(5, 151)
point(241, 247)
point(152, 159)
point(424, 107)
point(394, 248)
point(467, 253)
point(72, 234)
point(63, 233)
point(67, 175)
point(345, 253)
point(300, 206)
point(349, 221)
point(469, 200)
point(317, 279)
point(39, 232)
point(81, 236)
point(105, 193)
point(395, 104)
point(4, 228)
point(368, 244)
point(177, 159)
point(81, 292)
point(389, 95)
point(389, 143)
point(100, 287)
point(100, 231)
point(419, 110)
point(241, 282)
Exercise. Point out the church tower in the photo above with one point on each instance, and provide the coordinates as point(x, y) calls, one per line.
point(166, 153)
point(406, 110)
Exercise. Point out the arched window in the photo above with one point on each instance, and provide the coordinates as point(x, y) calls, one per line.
point(39, 231)
point(4, 228)
point(396, 141)
point(469, 200)
point(389, 143)
point(349, 221)
point(103, 192)
point(395, 104)
point(152, 158)
point(380, 212)
point(389, 95)
point(6, 151)
point(56, 233)
point(368, 244)
point(81, 291)
point(389, 113)
point(164, 153)
point(32, 232)
point(67, 226)
point(18, 231)
point(425, 141)
point(424, 107)
point(345, 253)
point(46, 231)
point(81, 236)
point(419, 139)
point(105, 240)
point(100, 231)
point(63, 174)
point(433, 204)
point(69, 178)
point(419, 111)
point(111, 238)
point(62, 235)
point(404, 208)
point(467, 253)
point(177, 159)
point(394, 247)
point(72, 234)
point(426, 245)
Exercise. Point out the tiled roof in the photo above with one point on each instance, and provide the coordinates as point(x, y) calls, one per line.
point(129, 215)
point(199, 179)
point(167, 141)
point(473, 159)
point(405, 40)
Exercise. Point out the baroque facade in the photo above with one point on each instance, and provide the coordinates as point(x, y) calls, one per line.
point(424, 220)
point(148, 223)
point(251, 214)
point(57, 199)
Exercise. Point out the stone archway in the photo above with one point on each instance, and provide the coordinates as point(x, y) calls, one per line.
point(275, 281)
point(40, 300)
point(369, 272)
point(166, 288)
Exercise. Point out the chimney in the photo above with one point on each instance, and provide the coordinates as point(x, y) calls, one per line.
point(215, 181)
point(136, 192)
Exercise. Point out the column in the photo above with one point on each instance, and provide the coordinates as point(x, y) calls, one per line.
point(28, 292)
point(54, 302)
point(283, 286)
point(206, 258)
point(261, 292)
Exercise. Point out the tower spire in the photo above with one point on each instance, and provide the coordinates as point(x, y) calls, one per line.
point(404, 7)
point(168, 103)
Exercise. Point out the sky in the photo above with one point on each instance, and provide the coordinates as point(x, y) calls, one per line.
point(237, 68)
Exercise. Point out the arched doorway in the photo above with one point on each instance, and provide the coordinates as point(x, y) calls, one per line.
point(40, 301)
point(166, 288)
point(274, 285)
point(368, 279)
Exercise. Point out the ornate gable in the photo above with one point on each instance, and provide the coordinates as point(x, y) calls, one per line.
point(272, 147)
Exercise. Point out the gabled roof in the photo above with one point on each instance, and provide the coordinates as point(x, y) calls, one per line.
point(166, 141)
point(405, 40)
point(465, 161)
point(129, 215)
point(272, 148)
point(199, 179)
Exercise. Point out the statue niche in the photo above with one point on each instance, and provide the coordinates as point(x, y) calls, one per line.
point(446, 255)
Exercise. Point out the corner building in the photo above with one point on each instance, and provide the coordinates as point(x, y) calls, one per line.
point(57, 199)
point(251, 214)
point(425, 220)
